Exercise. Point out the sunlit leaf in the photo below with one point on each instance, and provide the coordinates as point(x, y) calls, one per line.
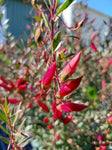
point(37, 18)
point(64, 6)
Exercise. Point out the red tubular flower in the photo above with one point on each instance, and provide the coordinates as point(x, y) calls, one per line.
point(50, 126)
point(69, 107)
point(69, 87)
point(58, 114)
point(12, 100)
point(22, 88)
point(12, 85)
point(47, 79)
point(46, 120)
point(3, 79)
point(67, 119)
point(21, 81)
point(57, 137)
point(6, 87)
point(53, 106)
point(41, 94)
point(94, 47)
point(70, 67)
point(43, 106)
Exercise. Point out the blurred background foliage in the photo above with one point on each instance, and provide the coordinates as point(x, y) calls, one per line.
point(95, 90)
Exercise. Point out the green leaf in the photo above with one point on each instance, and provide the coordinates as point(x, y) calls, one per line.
point(3, 117)
point(37, 18)
point(2, 55)
point(6, 105)
point(56, 40)
point(5, 140)
point(71, 36)
point(4, 130)
point(64, 6)
point(6, 62)
point(57, 2)
point(2, 2)
point(46, 21)
point(92, 93)
point(80, 125)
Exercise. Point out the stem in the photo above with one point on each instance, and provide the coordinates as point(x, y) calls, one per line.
point(12, 137)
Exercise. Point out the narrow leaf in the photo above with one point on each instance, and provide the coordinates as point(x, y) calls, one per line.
point(56, 40)
point(2, 107)
point(46, 21)
point(64, 6)
point(57, 2)
point(4, 140)
point(4, 130)
point(37, 18)
point(6, 105)
point(3, 117)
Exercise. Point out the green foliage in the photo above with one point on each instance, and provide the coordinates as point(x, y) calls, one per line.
point(56, 40)
point(64, 6)
point(92, 93)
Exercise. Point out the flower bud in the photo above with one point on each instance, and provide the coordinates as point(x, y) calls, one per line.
point(69, 87)
point(48, 77)
point(70, 67)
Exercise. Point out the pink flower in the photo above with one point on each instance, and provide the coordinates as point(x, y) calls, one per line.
point(67, 119)
point(70, 68)
point(103, 147)
point(28, 27)
point(48, 77)
point(69, 87)
point(103, 84)
point(93, 36)
point(69, 107)
point(43, 106)
point(58, 114)
point(100, 138)
point(109, 62)
point(57, 137)
point(46, 120)
point(94, 47)
point(110, 120)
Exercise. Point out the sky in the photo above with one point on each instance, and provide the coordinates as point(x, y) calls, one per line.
point(104, 6)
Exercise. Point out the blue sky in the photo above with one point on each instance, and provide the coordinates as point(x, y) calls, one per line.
point(104, 6)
